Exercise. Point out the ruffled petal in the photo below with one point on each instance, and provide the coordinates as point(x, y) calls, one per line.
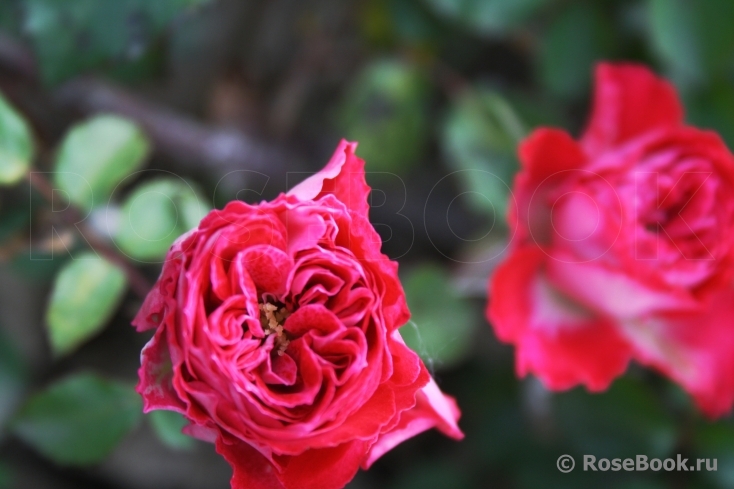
point(629, 100)
point(156, 376)
point(323, 468)
point(549, 157)
point(433, 409)
point(557, 339)
point(343, 176)
point(250, 469)
point(612, 292)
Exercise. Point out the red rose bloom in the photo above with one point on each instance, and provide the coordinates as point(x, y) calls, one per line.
point(623, 247)
point(277, 337)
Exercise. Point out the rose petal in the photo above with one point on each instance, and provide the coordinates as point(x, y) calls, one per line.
point(268, 267)
point(250, 469)
point(558, 340)
point(629, 100)
point(156, 376)
point(324, 468)
point(694, 349)
point(343, 176)
point(433, 409)
point(613, 292)
point(548, 157)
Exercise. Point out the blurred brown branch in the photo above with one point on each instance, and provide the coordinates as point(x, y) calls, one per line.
point(186, 143)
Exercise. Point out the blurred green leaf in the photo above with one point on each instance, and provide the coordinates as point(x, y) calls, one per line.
point(535, 110)
point(442, 325)
point(13, 378)
point(413, 23)
point(487, 17)
point(716, 441)
point(6, 476)
point(10, 17)
point(674, 38)
point(626, 420)
point(16, 144)
point(73, 36)
point(387, 23)
point(96, 156)
point(479, 139)
point(167, 426)
point(713, 108)
point(85, 294)
point(37, 266)
point(12, 221)
point(694, 39)
point(577, 37)
point(385, 111)
point(155, 214)
point(439, 475)
point(80, 419)
point(716, 35)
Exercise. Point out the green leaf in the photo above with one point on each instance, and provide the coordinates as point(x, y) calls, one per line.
point(10, 18)
point(442, 325)
point(479, 139)
point(487, 17)
point(80, 419)
point(694, 39)
point(155, 214)
point(673, 36)
point(167, 426)
point(85, 294)
point(716, 441)
point(74, 36)
point(577, 38)
point(441, 474)
point(716, 35)
point(713, 108)
point(13, 377)
point(96, 156)
point(6, 476)
point(385, 110)
point(626, 419)
point(16, 144)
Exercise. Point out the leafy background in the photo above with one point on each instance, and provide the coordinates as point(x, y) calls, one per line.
point(171, 107)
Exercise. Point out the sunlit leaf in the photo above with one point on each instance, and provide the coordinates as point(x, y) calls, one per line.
point(80, 419)
point(16, 144)
point(96, 156)
point(155, 214)
point(85, 294)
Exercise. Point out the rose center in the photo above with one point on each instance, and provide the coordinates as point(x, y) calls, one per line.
point(272, 318)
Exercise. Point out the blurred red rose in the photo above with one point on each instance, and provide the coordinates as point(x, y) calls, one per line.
point(623, 247)
point(277, 337)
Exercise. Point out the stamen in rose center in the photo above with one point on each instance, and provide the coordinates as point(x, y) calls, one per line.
point(272, 318)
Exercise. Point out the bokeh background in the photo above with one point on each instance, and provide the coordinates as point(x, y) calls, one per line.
point(221, 99)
